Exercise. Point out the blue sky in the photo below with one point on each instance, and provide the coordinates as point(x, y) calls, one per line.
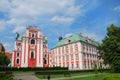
point(57, 18)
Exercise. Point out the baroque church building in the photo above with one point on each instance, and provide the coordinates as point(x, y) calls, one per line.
point(30, 49)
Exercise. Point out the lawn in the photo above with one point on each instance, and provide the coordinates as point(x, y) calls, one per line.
point(112, 76)
point(99, 77)
point(6, 77)
point(108, 76)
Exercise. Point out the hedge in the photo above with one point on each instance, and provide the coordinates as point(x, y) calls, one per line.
point(31, 69)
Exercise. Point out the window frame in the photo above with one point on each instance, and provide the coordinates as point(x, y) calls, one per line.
point(17, 54)
point(32, 41)
point(17, 61)
point(32, 56)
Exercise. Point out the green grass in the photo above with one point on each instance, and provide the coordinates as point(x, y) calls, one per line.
point(115, 76)
point(112, 76)
point(99, 77)
point(109, 76)
point(6, 77)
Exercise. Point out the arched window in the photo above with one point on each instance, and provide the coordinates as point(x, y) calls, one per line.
point(32, 55)
point(32, 35)
point(45, 55)
point(17, 61)
point(45, 61)
point(18, 54)
point(32, 41)
point(19, 44)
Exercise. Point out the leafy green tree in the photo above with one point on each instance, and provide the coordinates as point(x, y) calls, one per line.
point(4, 61)
point(110, 48)
point(95, 68)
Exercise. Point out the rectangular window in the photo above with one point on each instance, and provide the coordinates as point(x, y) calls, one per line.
point(67, 58)
point(59, 51)
point(77, 56)
point(71, 49)
point(62, 49)
point(63, 58)
point(66, 49)
point(72, 57)
point(59, 59)
point(76, 47)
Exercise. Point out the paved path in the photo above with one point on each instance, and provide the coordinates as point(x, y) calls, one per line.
point(25, 76)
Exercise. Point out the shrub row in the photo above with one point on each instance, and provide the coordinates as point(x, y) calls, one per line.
point(32, 69)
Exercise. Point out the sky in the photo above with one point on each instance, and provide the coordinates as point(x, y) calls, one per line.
point(57, 18)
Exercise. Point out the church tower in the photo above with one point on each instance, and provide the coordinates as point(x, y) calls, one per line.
point(30, 49)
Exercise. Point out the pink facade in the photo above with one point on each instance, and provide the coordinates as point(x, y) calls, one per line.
point(75, 52)
point(31, 49)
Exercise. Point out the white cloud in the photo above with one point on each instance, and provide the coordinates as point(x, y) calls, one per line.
point(73, 11)
point(15, 21)
point(19, 29)
point(4, 5)
point(62, 19)
point(32, 8)
point(2, 25)
point(9, 37)
point(91, 35)
point(22, 12)
point(69, 34)
point(8, 47)
point(117, 8)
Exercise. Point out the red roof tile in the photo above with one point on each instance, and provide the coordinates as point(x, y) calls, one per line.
point(9, 55)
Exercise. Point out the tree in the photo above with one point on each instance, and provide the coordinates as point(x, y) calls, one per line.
point(95, 68)
point(110, 48)
point(4, 61)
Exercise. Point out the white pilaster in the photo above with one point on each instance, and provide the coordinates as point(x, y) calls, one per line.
point(38, 51)
point(26, 59)
point(22, 58)
point(12, 60)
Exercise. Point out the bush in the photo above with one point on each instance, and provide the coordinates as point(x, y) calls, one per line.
point(31, 69)
point(6, 77)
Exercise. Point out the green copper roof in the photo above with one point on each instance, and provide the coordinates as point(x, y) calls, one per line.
point(45, 40)
point(19, 38)
point(75, 38)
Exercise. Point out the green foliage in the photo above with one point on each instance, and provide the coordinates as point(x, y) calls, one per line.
point(100, 67)
point(110, 48)
point(6, 77)
point(32, 69)
point(95, 68)
point(4, 61)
